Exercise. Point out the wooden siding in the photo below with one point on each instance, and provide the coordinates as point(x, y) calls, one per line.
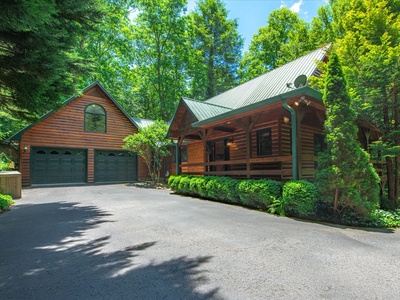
point(195, 153)
point(308, 159)
point(65, 129)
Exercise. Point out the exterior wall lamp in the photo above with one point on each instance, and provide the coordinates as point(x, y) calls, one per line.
point(286, 120)
point(304, 100)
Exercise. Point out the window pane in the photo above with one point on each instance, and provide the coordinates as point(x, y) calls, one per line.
point(264, 142)
point(95, 109)
point(95, 118)
point(319, 143)
point(184, 154)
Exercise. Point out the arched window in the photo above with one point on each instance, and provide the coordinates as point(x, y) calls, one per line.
point(95, 118)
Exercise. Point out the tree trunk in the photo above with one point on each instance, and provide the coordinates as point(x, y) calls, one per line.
point(396, 142)
point(391, 181)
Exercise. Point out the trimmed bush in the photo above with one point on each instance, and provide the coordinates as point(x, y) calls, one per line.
point(258, 193)
point(5, 201)
point(173, 182)
point(202, 186)
point(184, 185)
point(300, 197)
point(229, 190)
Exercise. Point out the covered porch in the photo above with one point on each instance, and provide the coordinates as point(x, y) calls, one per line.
point(277, 138)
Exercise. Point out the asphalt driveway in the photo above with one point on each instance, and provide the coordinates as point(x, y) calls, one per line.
point(121, 242)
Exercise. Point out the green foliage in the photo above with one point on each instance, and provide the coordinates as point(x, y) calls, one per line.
point(5, 202)
point(38, 64)
point(385, 218)
point(222, 189)
point(283, 39)
point(258, 193)
point(4, 162)
point(159, 56)
point(300, 197)
point(201, 183)
point(173, 182)
point(151, 144)
point(344, 176)
point(252, 193)
point(184, 185)
point(369, 48)
point(216, 49)
point(108, 49)
point(296, 197)
point(277, 207)
point(377, 218)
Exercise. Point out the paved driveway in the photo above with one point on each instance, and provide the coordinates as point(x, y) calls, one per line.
point(120, 242)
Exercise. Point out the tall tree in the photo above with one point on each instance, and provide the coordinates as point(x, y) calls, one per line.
point(151, 144)
point(344, 175)
point(321, 30)
point(284, 38)
point(217, 45)
point(369, 48)
point(37, 64)
point(109, 49)
point(158, 57)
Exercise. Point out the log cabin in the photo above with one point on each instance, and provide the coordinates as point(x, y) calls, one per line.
point(80, 143)
point(269, 127)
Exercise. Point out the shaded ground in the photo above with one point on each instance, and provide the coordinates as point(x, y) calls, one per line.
point(120, 242)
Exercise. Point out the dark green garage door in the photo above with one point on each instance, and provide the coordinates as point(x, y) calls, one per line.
point(114, 166)
point(57, 165)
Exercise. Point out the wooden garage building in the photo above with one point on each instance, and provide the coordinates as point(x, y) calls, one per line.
point(80, 143)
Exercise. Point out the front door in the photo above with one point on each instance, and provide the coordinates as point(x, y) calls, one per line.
point(218, 151)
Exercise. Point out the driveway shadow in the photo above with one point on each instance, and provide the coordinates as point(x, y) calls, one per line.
point(45, 255)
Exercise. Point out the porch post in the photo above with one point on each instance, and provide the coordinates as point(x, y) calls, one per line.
point(248, 127)
point(204, 135)
point(176, 158)
point(293, 120)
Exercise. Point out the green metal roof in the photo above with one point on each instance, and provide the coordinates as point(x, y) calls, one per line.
point(270, 84)
point(203, 110)
point(142, 123)
point(291, 93)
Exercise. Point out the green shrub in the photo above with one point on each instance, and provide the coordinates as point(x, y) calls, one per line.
point(385, 218)
point(173, 182)
point(184, 185)
point(300, 197)
point(212, 188)
point(202, 186)
point(5, 201)
point(194, 185)
point(4, 162)
point(277, 207)
point(258, 193)
point(228, 189)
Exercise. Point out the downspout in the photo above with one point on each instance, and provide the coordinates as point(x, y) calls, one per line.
point(294, 138)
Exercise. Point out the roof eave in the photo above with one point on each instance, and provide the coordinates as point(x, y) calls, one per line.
point(17, 137)
point(296, 92)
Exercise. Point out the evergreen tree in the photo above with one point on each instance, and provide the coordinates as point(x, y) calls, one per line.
point(37, 61)
point(344, 175)
point(216, 49)
point(369, 48)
